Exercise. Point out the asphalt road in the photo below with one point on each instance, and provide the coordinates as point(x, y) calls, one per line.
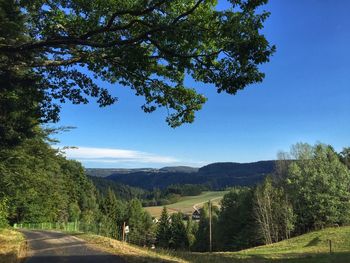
point(56, 247)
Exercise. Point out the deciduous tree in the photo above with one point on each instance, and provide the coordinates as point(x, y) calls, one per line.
point(148, 46)
point(319, 186)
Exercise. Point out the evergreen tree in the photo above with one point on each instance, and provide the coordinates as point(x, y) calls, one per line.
point(140, 223)
point(178, 234)
point(191, 230)
point(236, 225)
point(202, 234)
point(163, 229)
point(113, 214)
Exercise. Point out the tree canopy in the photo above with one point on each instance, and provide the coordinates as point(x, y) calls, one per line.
point(149, 46)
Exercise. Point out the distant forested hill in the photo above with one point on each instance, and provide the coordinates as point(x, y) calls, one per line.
point(122, 191)
point(216, 175)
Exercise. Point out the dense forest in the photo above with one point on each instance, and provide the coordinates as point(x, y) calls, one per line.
point(215, 176)
point(154, 197)
point(308, 190)
point(38, 184)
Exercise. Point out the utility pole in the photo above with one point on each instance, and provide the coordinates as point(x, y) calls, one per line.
point(210, 235)
point(123, 232)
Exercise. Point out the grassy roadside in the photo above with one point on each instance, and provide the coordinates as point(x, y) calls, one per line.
point(128, 252)
point(12, 246)
point(309, 248)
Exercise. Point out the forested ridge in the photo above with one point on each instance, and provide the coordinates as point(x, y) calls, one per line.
point(215, 176)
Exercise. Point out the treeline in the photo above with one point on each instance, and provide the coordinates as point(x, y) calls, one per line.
point(217, 176)
point(172, 194)
point(38, 184)
point(309, 190)
point(155, 197)
point(122, 191)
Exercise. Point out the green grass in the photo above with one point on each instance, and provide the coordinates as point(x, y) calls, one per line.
point(186, 203)
point(128, 252)
point(12, 246)
point(308, 248)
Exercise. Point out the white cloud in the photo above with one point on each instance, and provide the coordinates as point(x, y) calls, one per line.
point(117, 156)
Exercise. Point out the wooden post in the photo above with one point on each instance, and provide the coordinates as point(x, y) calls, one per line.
point(210, 234)
point(123, 231)
point(330, 246)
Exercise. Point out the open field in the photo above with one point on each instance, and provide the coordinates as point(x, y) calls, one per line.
point(186, 203)
point(308, 248)
point(11, 245)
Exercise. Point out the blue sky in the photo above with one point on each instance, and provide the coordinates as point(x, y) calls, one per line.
point(305, 97)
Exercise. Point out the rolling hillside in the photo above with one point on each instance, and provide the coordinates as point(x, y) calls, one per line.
point(217, 175)
point(309, 248)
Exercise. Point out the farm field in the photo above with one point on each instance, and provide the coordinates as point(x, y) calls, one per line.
point(186, 203)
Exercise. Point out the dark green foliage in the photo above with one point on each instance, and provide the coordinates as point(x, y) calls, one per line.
point(163, 233)
point(319, 185)
point(154, 197)
point(38, 185)
point(345, 156)
point(309, 190)
point(186, 189)
point(23, 99)
point(148, 46)
point(202, 235)
point(3, 212)
point(74, 212)
point(122, 191)
point(113, 215)
point(236, 227)
point(191, 230)
point(179, 238)
point(216, 176)
point(172, 232)
point(140, 223)
point(19, 106)
point(41, 185)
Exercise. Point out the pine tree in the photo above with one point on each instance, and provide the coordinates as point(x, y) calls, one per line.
point(178, 239)
point(140, 223)
point(113, 213)
point(163, 229)
point(191, 229)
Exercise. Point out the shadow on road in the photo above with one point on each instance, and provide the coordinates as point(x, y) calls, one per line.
point(12, 258)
